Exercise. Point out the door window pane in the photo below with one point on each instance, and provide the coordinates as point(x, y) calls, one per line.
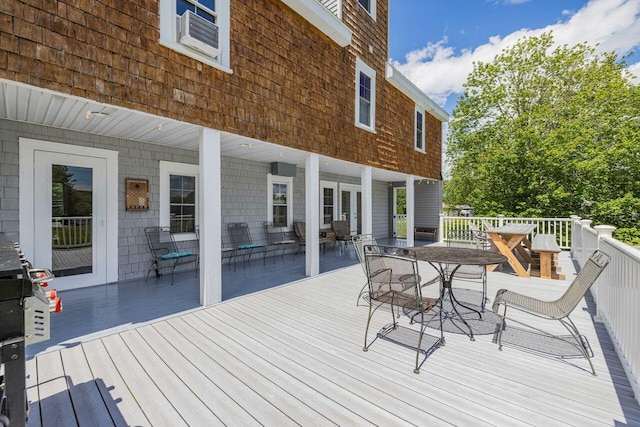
point(71, 220)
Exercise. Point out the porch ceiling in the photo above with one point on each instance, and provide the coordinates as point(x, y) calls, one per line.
point(23, 103)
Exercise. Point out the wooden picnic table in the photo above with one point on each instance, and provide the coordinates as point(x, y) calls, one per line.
point(512, 239)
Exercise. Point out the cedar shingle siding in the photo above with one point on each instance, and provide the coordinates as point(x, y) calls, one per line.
point(291, 85)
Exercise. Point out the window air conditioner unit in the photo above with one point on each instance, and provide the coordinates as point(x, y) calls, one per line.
point(198, 33)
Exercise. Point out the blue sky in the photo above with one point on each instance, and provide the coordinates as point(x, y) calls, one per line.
point(435, 42)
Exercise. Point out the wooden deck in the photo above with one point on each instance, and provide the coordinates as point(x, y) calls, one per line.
point(292, 355)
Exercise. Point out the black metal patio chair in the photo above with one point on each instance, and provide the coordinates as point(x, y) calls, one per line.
point(243, 243)
point(559, 309)
point(359, 241)
point(473, 273)
point(394, 279)
point(226, 251)
point(279, 238)
point(164, 250)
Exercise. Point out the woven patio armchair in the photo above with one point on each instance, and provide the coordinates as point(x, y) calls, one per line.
point(343, 232)
point(559, 309)
point(394, 279)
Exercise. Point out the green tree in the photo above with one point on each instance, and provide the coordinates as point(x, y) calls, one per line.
point(548, 132)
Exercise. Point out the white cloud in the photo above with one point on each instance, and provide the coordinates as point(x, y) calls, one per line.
point(612, 25)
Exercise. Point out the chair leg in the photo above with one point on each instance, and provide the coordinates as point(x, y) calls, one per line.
point(502, 327)
point(366, 331)
point(362, 291)
point(422, 328)
point(154, 266)
point(172, 270)
point(573, 330)
point(484, 292)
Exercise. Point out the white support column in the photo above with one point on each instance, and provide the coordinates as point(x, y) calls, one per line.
point(210, 217)
point(312, 214)
point(411, 205)
point(366, 185)
point(441, 220)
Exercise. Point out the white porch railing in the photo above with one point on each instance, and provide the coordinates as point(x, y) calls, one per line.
point(71, 232)
point(457, 225)
point(617, 292)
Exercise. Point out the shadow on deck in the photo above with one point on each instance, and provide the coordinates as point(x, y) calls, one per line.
point(104, 309)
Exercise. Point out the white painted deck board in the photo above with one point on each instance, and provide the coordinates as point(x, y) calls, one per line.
point(122, 405)
point(218, 403)
point(183, 399)
point(152, 400)
point(85, 395)
point(236, 378)
point(55, 402)
point(293, 356)
point(458, 374)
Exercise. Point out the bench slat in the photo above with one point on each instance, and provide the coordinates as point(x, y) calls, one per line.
point(545, 243)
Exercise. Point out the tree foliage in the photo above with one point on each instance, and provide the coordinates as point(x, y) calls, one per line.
point(548, 132)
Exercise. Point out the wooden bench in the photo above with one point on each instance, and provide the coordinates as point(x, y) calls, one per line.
point(426, 233)
point(546, 248)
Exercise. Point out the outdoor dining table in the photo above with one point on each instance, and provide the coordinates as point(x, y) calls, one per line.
point(447, 260)
point(511, 239)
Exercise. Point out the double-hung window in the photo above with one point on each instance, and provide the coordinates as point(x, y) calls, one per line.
point(369, 6)
point(197, 28)
point(178, 198)
point(419, 130)
point(365, 96)
point(328, 203)
point(280, 209)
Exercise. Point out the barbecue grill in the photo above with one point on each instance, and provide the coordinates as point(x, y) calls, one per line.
point(24, 319)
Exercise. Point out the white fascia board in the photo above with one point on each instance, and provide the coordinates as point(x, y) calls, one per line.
point(322, 18)
point(404, 85)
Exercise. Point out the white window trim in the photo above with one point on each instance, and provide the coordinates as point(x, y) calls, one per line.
point(168, 31)
point(271, 179)
point(322, 18)
point(334, 186)
point(371, 12)
point(415, 128)
point(172, 168)
point(361, 67)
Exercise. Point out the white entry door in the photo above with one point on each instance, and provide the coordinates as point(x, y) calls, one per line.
point(67, 217)
point(71, 218)
point(350, 206)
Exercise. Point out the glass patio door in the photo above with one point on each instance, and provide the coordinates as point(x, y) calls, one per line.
point(350, 206)
point(70, 216)
point(400, 212)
